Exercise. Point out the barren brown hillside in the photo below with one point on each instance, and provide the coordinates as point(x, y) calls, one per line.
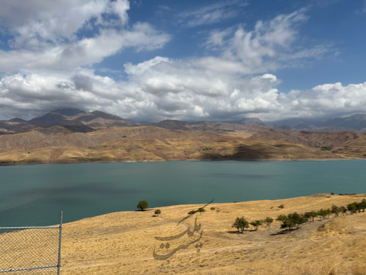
point(123, 242)
point(148, 143)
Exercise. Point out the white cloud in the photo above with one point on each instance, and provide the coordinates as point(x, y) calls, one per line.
point(45, 34)
point(211, 14)
point(210, 88)
point(158, 93)
point(86, 51)
point(37, 22)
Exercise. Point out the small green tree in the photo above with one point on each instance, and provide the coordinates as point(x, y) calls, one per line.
point(281, 206)
point(268, 221)
point(323, 213)
point(236, 224)
point(307, 215)
point(201, 210)
point(297, 219)
point(192, 212)
point(343, 210)
point(311, 215)
point(352, 207)
point(286, 222)
point(157, 212)
point(256, 224)
point(358, 206)
point(363, 205)
point(212, 209)
point(336, 210)
point(240, 224)
point(281, 218)
point(243, 224)
point(142, 205)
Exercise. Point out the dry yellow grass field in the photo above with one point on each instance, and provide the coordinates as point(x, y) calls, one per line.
point(123, 242)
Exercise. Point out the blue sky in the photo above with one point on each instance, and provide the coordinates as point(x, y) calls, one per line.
point(188, 60)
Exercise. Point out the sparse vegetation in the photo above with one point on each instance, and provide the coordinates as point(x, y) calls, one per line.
point(256, 224)
point(295, 219)
point(324, 212)
point(240, 224)
point(268, 221)
point(201, 210)
point(142, 205)
point(336, 210)
point(352, 207)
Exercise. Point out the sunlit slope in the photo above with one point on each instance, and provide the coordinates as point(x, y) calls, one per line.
point(148, 143)
point(123, 242)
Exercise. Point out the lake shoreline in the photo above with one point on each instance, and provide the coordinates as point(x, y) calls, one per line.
point(193, 160)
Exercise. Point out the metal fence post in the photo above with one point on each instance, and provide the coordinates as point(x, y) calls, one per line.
point(59, 246)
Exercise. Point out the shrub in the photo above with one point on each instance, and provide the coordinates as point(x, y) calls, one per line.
point(212, 209)
point(324, 212)
point(297, 219)
point(256, 224)
point(336, 210)
point(236, 224)
point(240, 224)
point(192, 212)
point(363, 205)
point(268, 221)
point(352, 207)
point(143, 205)
point(281, 206)
point(343, 209)
point(332, 193)
point(157, 212)
point(292, 220)
point(311, 215)
point(281, 218)
point(201, 210)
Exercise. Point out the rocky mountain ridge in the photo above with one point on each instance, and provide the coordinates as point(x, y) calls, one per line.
point(80, 121)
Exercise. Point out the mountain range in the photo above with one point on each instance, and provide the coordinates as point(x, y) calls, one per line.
point(72, 119)
point(71, 135)
point(77, 120)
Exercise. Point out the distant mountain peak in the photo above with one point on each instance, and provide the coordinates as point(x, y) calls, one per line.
point(68, 112)
point(17, 120)
point(251, 121)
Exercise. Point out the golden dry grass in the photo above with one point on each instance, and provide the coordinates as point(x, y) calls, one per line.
point(123, 242)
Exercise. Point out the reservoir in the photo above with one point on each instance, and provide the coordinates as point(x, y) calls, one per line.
point(35, 194)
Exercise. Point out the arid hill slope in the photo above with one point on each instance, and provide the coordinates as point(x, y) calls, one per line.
point(123, 242)
point(61, 144)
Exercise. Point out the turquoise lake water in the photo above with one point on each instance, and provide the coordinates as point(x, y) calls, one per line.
point(35, 194)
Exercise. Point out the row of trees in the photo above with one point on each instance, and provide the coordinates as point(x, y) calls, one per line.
point(296, 220)
point(241, 223)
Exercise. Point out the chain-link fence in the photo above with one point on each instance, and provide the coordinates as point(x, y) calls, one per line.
point(30, 250)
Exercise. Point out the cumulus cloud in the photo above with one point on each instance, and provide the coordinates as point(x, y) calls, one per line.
point(225, 87)
point(37, 22)
point(86, 51)
point(156, 93)
point(45, 35)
